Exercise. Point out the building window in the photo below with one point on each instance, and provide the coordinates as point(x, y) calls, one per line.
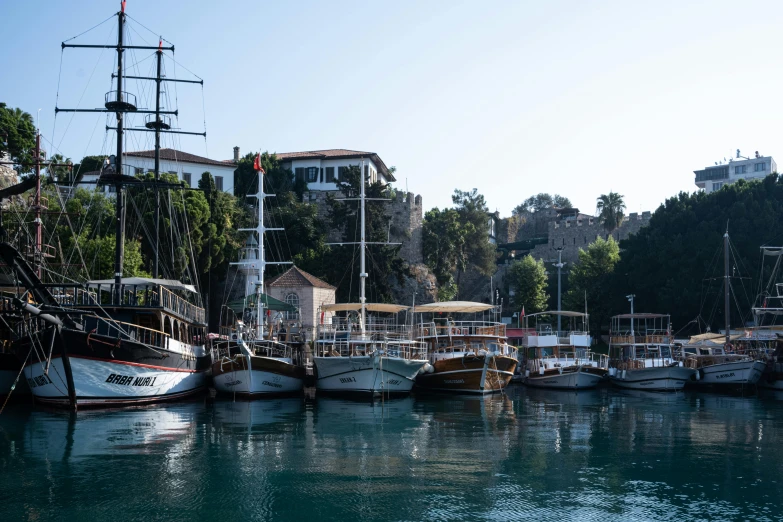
point(321, 179)
point(330, 174)
point(312, 174)
point(293, 300)
point(139, 171)
point(173, 172)
point(760, 167)
point(112, 188)
point(717, 186)
point(341, 173)
point(300, 173)
point(186, 178)
point(740, 169)
point(219, 182)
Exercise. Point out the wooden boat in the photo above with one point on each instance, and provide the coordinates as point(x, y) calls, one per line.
point(120, 341)
point(465, 356)
point(258, 359)
point(561, 359)
point(641, 355)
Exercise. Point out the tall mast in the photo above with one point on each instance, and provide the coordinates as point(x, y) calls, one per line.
point(726, 309)
point(38, 252)
point(362, 248)
point(159, 52)
point(119, 256)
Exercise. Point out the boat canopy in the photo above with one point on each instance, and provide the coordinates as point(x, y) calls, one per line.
point(562, 313)
point(772, 251)
point(641, 316)
point(712, 338)
point(171, 284)
point(454, 307)
point(370, 307)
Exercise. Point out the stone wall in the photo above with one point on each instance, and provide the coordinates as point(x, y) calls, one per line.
point(575, 234)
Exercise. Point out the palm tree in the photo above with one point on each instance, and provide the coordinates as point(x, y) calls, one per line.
point(610, 209)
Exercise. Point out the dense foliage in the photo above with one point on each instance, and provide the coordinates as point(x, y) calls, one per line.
point(611, 210)
point(540, 202)
point(590, 282)
point(528, 280)
point(17, 136)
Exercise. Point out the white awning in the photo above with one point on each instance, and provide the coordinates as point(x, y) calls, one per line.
point(370, 307)
point(457, 307)
point(562, 313)
point(171, 284)
point(772, 251)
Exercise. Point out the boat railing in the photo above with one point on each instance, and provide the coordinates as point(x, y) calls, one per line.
point(374, 330)
point(128, 332)
point(640, 339)
point(460, 328)
point(346, 348)
point(136, 296)
point(640, 364)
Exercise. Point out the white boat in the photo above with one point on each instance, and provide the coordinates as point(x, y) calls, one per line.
point(465, 356)
point(252, 358)
point(641, 355)
point(379, 358)
point(707, 354)
point(556, 358)
point(357, 356)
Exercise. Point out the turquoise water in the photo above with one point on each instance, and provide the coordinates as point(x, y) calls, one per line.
point(528, 454)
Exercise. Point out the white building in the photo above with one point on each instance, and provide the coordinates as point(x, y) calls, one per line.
point(187, 167)
point(713, 178)
point(322, 168)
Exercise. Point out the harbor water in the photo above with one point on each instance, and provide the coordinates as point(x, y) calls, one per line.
point(526, 454)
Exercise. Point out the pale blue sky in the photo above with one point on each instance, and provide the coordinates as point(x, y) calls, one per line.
point(513, 98)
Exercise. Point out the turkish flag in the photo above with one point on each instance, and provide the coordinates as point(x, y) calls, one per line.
point(257, 165)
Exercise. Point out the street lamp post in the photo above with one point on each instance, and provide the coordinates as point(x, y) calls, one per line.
point(630, 298)
point(559, 266)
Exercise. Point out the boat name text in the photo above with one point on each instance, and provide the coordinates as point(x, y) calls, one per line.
point(130, 380)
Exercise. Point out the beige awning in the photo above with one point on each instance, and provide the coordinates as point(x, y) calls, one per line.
point(713, 338)
point(370, 307)
point(456, 307)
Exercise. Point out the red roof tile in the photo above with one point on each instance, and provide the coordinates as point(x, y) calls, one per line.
point(294, 276)
point(177, 155)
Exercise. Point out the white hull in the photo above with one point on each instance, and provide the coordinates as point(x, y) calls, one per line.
point(99, 382)
point(255, 382)
point(733, 373)
point(368, 374)
point(666, 378)
point(571, 380)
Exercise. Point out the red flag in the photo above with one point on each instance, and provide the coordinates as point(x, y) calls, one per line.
point(160, 44)
point(123, 6)
point(522, 313)
point(257, 165)
point(322, 318)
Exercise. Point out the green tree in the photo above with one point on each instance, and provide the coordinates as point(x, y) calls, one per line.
point(443, 245)
point(17, 136)
point(540, 202)
point(591, 278)
point(57, 169)
point(478, 253)
point(88, 164)
point(527, 279)
point(278, 179)
point(610, 208)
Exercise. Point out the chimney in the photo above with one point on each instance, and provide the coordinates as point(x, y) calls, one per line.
point(236, 154)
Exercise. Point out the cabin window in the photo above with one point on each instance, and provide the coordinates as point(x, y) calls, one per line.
point(293, 300)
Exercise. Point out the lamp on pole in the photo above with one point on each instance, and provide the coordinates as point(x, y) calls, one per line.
point(630, 298)
point(559, 266)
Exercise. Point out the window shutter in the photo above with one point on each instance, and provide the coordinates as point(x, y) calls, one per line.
point(322, 175)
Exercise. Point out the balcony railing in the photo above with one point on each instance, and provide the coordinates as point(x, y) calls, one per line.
point(461, 328)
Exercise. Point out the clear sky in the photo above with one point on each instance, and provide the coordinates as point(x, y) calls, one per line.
point(513, 98)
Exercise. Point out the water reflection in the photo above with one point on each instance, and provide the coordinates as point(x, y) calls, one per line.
point(529, 453)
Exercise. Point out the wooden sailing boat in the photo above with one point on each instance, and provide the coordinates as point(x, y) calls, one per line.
point(118, 341)
point(465, 356)
point(354, 357)
point(256, 359)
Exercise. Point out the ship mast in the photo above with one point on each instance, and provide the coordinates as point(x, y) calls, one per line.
point(362, 248)
point(727, 311)
point(259, 258)
point(119, 232)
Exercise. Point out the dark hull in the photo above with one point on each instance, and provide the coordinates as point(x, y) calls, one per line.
point(469, 375)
